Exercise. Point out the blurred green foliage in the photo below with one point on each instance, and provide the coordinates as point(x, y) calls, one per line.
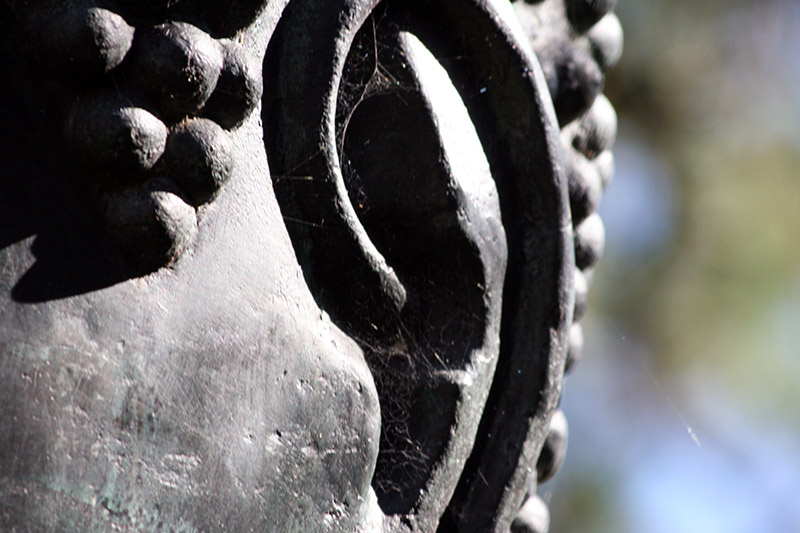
point(712, 89)
point(714, 86)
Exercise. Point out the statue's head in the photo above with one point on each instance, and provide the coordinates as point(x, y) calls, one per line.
point(293, 265)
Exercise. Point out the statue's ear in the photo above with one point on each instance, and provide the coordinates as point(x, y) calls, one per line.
point(415, 155)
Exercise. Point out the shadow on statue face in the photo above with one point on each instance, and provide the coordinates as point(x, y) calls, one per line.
point(301, 265)
point(37, 199)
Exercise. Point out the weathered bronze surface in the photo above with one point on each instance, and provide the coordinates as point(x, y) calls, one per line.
point(294, 265)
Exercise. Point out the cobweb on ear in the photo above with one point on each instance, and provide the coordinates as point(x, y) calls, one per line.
point(401, 458)
point(441, 322)
point(400, 365)
point(395, 370)
point(366, 73)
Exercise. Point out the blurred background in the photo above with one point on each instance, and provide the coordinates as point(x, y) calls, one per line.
point(684, 411)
